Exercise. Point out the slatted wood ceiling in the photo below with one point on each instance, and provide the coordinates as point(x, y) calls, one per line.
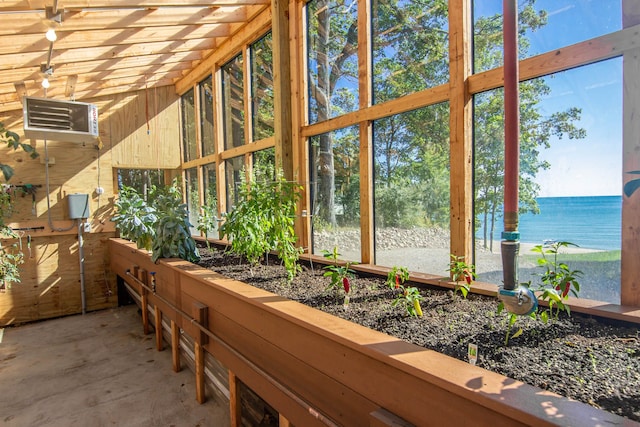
point(105, 47)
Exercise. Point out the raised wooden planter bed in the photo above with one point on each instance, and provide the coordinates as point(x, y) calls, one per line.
point(316, 369)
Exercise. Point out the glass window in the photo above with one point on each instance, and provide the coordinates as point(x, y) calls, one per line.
point(410, 47)
point(140, 179)
point(335, 192)
point(264, 163)
point(189, 126)
point(193, 200)
point(210, 193)
point(210, 189)
point(234, 174)
point(206, 116)
point(333, 58)
point(570, 175)
point(544, 25)
point(233, 103)
point(262, 88)
point(411, 166)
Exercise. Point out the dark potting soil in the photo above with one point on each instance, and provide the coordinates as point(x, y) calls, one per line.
point(586, 359)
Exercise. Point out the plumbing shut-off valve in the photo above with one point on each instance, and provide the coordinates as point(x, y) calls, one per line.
point(518, 299)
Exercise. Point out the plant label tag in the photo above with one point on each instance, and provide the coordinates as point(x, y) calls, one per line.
point(473, 354)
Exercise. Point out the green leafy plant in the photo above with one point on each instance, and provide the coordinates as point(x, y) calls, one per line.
point(262, 220)
point(11, 255)
point(558, 280)
point(397, 276)
point(208, 218)
point(12, 140)
point(172, 229)
point(340, 275)
point(462, 274)
point(407, 296)
point(135, 219)
point(512, 318)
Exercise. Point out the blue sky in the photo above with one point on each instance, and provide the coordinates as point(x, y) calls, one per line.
point(591, 166)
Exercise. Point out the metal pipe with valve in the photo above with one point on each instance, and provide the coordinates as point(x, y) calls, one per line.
point(516, 298)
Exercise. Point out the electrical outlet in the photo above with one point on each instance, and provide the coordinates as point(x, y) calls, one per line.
point(87, 227)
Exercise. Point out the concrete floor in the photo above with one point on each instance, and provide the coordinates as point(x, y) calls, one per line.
point(96, 370)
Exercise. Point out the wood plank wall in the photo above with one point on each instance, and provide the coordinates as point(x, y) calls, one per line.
point(50, 285)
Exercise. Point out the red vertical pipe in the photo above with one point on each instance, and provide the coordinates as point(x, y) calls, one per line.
point(511, 114)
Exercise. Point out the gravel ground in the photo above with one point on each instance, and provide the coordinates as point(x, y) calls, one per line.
point(594, 361)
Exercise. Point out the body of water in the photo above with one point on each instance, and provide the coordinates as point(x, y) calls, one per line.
point(588, 221)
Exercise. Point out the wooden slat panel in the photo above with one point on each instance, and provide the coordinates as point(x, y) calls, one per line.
point(136, 148)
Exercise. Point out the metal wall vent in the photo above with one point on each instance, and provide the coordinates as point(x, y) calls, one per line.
point(56, 120)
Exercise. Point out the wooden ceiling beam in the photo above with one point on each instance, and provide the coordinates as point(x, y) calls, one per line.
point(31, 59)
point(10, 102)
point(79, 39)
point(140, 64)
point(94, 80)
point(24, 5)
point(33, 23)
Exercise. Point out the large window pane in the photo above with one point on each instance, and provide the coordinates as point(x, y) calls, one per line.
point(264, 163)
point(210, 193)
point(333, 58)
point(262, 88)
point(570, 175)
point(189, 126)
point(233, 103)
point(335, 192)
point(411, 160)
point(234, 174)
point(140, 179)
point(544, 25)
point(193, 201)
point(410, 47)
point(206, 115)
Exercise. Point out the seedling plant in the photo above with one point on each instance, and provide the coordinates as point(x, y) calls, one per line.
point(558, 280)
point(408, 296)
point(462, 274)
point(341, 275)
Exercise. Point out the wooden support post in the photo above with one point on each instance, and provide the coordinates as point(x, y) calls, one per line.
point(460, 135)
point(144, 297)
point(199, 312)
point(158, 314)
point(235, 408)
point(175, 346)
point(282, 125)
point(629, 278)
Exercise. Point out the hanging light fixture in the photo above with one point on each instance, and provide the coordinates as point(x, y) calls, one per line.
point(51, 35)
point(46, 70)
